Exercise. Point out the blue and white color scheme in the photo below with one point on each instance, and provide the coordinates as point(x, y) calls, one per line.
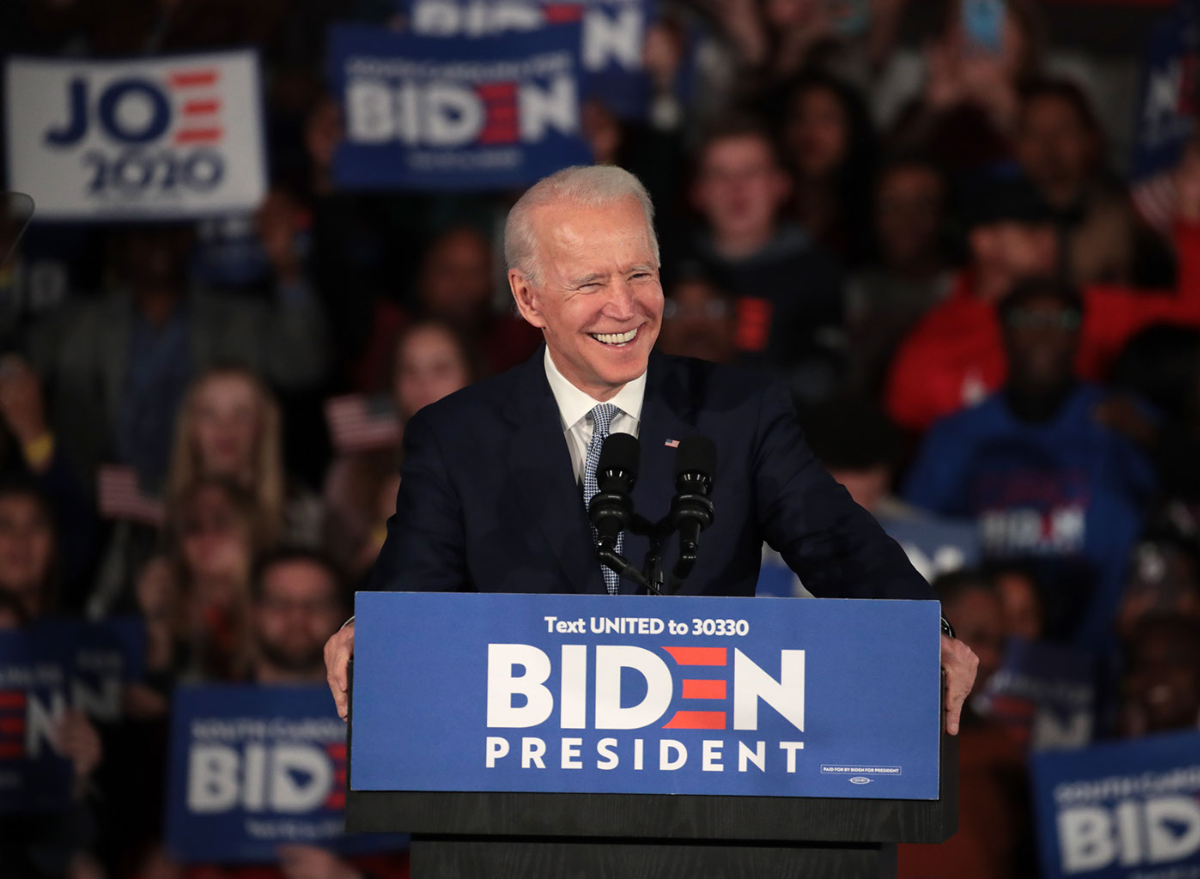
point(35, 684)
point(1120, 810)
point(1166, 117)
point(45, 669)
point(175, 137)
point(629, 694)
point(1044, 693)
point(431, 113)
point(253, 768)
point(613, 33)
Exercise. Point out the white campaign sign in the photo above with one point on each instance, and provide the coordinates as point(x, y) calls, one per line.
point(174, 137)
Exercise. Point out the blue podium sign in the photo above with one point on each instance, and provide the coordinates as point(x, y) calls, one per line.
point(628, 694)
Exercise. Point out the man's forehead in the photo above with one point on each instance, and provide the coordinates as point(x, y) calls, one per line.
point(570, 228)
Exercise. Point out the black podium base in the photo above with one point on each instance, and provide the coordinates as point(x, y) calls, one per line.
point(436, 857)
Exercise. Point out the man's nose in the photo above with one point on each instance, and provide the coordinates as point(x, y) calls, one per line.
point(620, 302)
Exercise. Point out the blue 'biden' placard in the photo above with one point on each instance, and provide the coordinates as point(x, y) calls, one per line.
point(46, 668)
point(613, 33)
point(253, 768)
point(628, 694)
point(1120, 809)
point(434, 113)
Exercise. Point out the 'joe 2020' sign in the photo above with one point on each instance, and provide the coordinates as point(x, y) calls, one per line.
point(172, 137)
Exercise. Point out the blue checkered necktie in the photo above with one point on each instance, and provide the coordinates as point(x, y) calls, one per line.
point(602, 417)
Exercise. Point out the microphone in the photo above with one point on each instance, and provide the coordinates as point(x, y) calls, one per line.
point(611, 508)
point(692, 508)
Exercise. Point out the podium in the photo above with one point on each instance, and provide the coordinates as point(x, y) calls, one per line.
point(461, 697)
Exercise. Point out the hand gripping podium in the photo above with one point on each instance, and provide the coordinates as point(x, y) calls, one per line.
point(626, 736)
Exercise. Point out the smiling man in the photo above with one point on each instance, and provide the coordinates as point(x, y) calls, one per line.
point(495, 477)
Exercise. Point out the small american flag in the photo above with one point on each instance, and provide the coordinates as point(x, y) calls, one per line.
point(121, 496)
point(672, 444)
point(358, 422)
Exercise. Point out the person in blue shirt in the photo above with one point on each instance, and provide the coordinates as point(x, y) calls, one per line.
point(1046, 481)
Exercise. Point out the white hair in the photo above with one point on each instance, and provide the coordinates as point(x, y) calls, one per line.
point(588, 186)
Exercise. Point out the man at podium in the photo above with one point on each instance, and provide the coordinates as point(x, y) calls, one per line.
point(496, 477)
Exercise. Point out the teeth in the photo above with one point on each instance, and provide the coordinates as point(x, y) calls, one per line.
point(615, 338)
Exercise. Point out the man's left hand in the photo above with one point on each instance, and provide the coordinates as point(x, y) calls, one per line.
point(959, 662)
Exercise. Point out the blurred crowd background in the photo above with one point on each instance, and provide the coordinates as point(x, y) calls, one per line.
point(931, 241)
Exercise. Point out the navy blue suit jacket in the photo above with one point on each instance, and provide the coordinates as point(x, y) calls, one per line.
point(488, 499)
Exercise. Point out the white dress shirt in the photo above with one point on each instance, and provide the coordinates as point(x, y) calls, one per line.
point(574, 406)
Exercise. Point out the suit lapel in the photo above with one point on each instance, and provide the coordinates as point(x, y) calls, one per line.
point(542, 465)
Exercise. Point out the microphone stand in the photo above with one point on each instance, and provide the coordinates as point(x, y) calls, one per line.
point(652, 576)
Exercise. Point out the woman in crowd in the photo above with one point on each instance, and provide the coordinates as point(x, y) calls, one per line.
point(199, 604)
point(430, 360)
point(230, 428)
point(829, 144)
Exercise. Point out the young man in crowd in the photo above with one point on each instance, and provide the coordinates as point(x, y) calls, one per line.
point(955, 356)
point(912, 273)
point(1060, 149)
point(297, 604)
point(1047, 482)
point(789, 290)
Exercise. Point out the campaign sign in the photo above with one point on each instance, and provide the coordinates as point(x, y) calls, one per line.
point(1044, 693)
point(175, 137)
point(428, 113)
point(46, 668)
point(1166, 115)
point(613, 33)
point(629, 694)
point(253, 768)
point(1121, 810)
point(34, 691)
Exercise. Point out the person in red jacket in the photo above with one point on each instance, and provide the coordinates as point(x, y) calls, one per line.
point(955, 357)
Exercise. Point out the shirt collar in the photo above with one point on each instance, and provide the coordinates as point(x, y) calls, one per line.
point(574, 404)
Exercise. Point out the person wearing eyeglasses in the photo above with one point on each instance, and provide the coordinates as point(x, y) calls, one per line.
point(1047, 482)
point(955, 354)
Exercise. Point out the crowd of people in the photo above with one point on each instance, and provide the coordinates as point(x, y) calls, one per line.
point(987, 345)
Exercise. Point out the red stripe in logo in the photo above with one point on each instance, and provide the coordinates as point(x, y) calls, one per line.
point(696, 689)
point(197, 108)
point(698, 655)
point(198, 135)
point(697, 720)
point(192, 78)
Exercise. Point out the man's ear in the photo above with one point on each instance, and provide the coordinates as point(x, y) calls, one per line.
point(525, 295)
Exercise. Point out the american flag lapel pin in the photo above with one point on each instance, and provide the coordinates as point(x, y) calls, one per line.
point(672, 444)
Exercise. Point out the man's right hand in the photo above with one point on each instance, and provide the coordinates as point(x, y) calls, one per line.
point(338, 651)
